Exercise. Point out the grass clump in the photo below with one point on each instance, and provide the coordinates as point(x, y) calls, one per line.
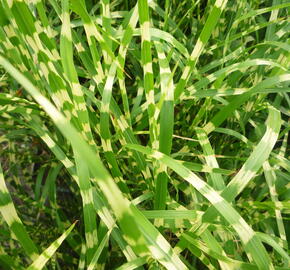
point(160, 126)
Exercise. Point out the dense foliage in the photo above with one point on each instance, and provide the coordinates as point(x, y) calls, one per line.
point(144, 134)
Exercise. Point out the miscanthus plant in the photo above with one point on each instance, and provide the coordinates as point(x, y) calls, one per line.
point(144, 134)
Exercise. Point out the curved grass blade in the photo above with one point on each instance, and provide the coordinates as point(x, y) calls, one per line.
point(227, 110)
point(136, 228)
point(253, 163)
point(66, 52)
point(271, 242)
point(251, 242)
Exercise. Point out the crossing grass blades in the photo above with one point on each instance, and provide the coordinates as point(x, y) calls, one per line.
point(144, 134)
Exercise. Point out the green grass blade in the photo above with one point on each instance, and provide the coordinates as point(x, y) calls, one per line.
point(251, 242)
point(43, 258)
point(124, 211)
point(11, 217)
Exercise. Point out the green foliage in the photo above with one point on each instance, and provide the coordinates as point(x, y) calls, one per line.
point(160, 126)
